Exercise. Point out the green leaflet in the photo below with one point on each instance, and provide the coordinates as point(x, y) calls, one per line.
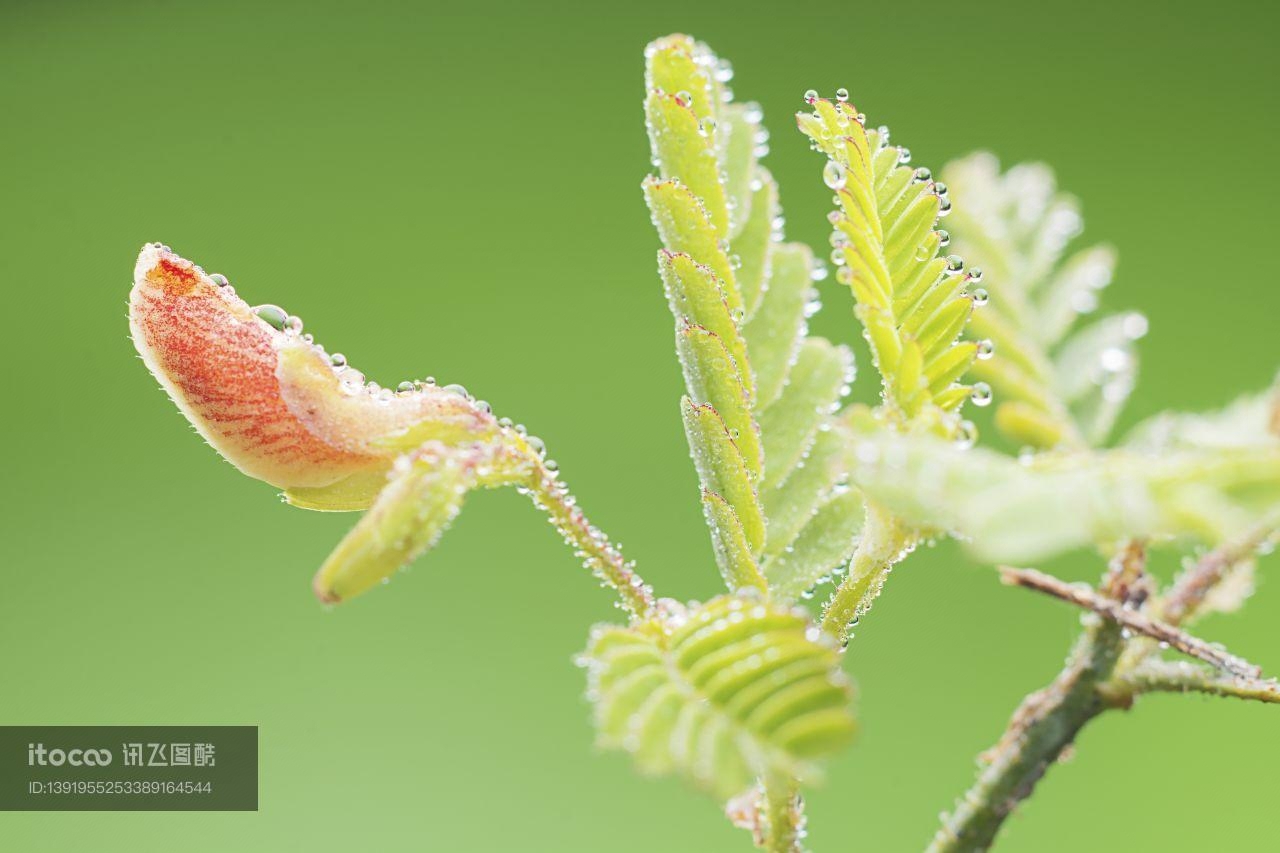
point(712, 379)
point(912, 303)
point(774, 332)
point(694, 693)
point(813, 391)
point(685, 153)
point(825, 544)
point(1053, 387)
point(755, 244)
point(736, 130)
point(721, 468)
point(790, 504)
point(733, 551)
point(683, 225)
point(1010, 512)
point(697, 297)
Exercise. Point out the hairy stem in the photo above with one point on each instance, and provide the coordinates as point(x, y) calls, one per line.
point(1045, 724)
point(1194, 585)
point(1159, 676)
point(591, 545)
point(783, 815)
point(1131, 620)
point(1042, 728)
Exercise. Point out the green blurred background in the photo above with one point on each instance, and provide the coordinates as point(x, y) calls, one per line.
point(456, 193)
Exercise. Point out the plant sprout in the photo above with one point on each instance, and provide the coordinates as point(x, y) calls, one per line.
point(745, 695)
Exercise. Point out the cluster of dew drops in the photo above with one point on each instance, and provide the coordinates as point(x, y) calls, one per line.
point(351, 380)
point(835, 176)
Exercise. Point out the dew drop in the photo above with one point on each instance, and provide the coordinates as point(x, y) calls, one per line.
point(338, 360)
point(811, 96)
point(833, 175)
point(406, 386)
point(981, 394)
point(966, 435)
point(842, 95)
point(352, 380)
point(980, 297)
point(272, 315)
point(460, 390)
point(684, 98)
point(219, 279)
point(986, 349)
point(1134, 326)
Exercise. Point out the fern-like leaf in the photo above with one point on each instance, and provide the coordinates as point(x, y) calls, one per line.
point(723, 692)
point(759, 391)
point(912, 303)
point(1055, 385)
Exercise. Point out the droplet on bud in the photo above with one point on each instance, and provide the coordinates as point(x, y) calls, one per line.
point(980, 297)
point(986, 349)
point(219, 279)
point(981, 394)
point(272, 315)
point(811, 96)
point(842, 95)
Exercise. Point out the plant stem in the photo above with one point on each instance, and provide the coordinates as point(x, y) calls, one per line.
point(1161, 676)
point(1132, 620)
point(783, 815)
point(597, 553)
point(1194, 585)
point(1045, 724)
point(1042, 728)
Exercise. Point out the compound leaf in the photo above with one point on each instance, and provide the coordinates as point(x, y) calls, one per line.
point(1054, 387)
point(912, 303)
point(723, 692)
